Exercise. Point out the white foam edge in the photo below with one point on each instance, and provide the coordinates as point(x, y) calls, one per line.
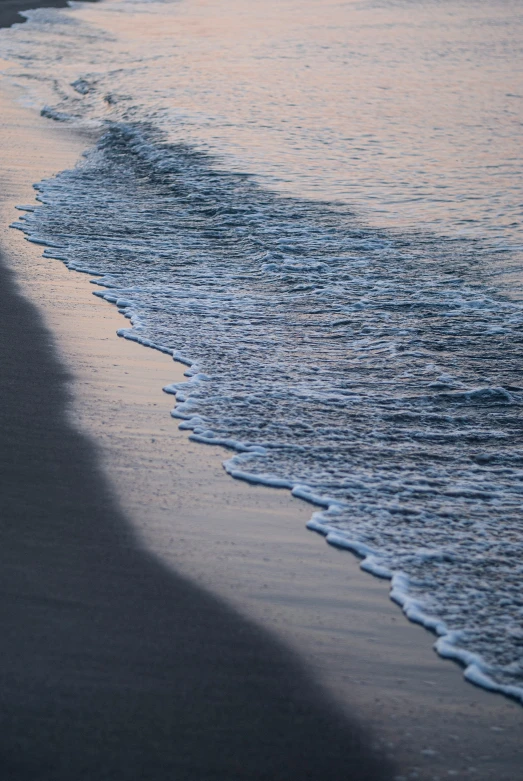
point(445, 646)
point(267, 480)
point(36, 240)
point(126, 333)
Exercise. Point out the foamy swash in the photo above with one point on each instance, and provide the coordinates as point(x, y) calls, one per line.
point(375, 375)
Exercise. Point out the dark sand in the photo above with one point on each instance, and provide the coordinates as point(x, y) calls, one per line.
point(111, 665)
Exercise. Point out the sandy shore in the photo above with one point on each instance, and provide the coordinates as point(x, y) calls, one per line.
point(126, 544)
point(112, 665)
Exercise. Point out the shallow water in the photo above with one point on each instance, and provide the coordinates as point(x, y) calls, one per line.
point(317, 207)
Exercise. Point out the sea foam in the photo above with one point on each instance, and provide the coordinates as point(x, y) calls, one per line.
point(337, 373)
point(376, 374)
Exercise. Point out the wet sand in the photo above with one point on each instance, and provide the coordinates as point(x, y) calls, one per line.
point(113, 666)
point(118, 658)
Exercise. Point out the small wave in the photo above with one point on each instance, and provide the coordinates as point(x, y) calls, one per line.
point(374, 374)
point(340, 376)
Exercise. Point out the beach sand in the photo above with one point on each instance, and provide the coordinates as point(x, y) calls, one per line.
point(112, 665)
point(161, 619)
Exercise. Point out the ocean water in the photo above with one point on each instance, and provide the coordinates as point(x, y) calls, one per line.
point(316, 206)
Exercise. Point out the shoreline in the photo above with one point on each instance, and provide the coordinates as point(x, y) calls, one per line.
point(115, 666)
point(247, 544)
point(356, 631)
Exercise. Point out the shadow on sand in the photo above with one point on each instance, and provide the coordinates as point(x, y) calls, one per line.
point(111, 665)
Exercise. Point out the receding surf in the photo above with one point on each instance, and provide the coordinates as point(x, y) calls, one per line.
point(374, 372)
